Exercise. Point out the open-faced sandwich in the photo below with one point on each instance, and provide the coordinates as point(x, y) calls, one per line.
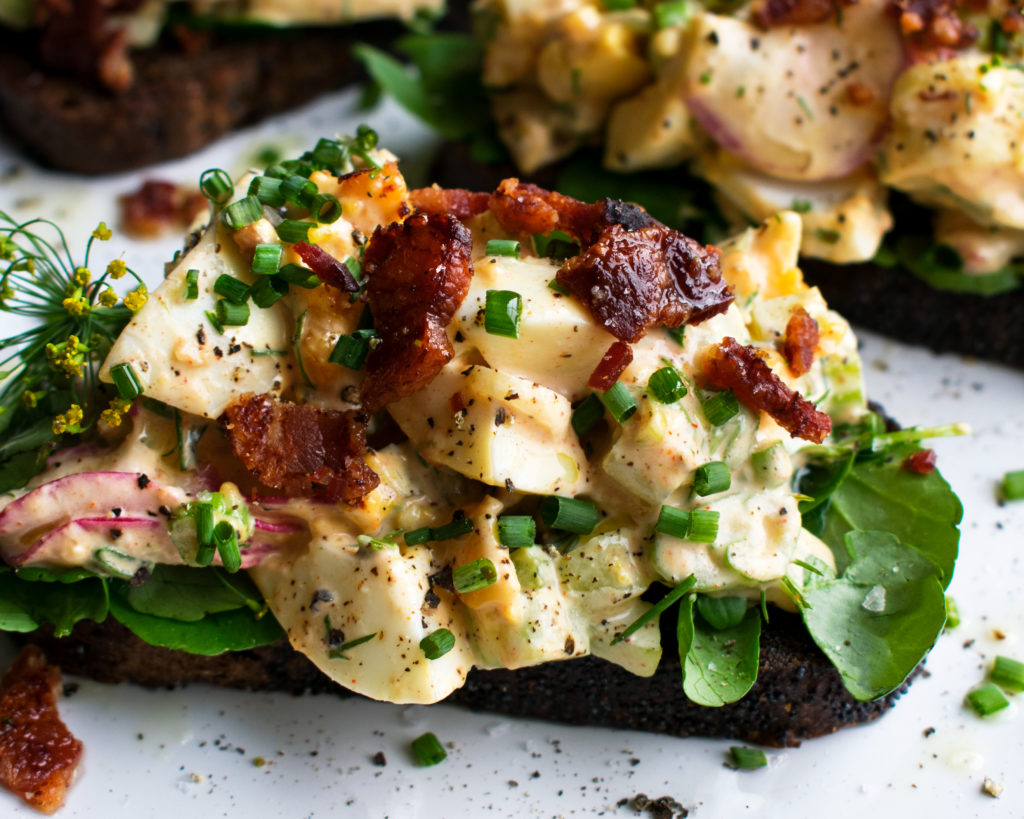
point(891, 128)
point(527, 452)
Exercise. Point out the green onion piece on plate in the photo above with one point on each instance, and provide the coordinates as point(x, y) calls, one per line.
point(503, 247)
point(721, 407)
point(234, 290)
point(267, 190)
point(619, 402)
point(747, 759)
point(666, 385)
point(568, 514)
point(351, 350)
point(266, 259)
point(454, 529)
point(299, 190)
point(588, 413)
point(987, 700)
point(125, 380)
point(243, 212)
point(516, 531)
point(192, 284)
point(1013, 485)
point(268, 290)
point(216, 185)
point(471, 577)
point(711, 478)
point(502, 312)
point(427, 750)
point(438, 643)
point(293, 230)
point(226, 539)
point(230, 314)
point(673, 522)
point(703, 526)
point(1008, 673)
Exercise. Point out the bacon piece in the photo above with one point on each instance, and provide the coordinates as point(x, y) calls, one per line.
point(632, 280)
point(328, 269)
point(741, 369)
point(801, 340)
point(157, 206)
point(300, 448)
point(459, 202)
point(610, 367)
point(418, 273)
point(932, 27)
point(922, 462)
point(38, 754)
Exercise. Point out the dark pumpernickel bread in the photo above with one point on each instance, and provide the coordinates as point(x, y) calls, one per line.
point(178, 103)
point(798, 694)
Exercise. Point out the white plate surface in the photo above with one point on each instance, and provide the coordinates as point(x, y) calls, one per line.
point(196, 752)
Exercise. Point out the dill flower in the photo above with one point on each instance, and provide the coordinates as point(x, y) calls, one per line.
point(114, 414)
point(108, 298)
point(76, 305)
point(117, 268)
point(136, 300)
point(102, 232)
point(69, 421)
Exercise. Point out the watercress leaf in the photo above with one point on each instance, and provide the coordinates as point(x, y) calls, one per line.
point(444, 59)
point(180, 593)
point(234, 630)
point(942, 267)
point(820, 479)
point(54, 575)
point(722, 612)
point(19, 469)
point(718, 667)
point(879, 619)
point(62, 604)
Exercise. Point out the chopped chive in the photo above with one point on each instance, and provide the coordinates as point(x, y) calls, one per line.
point(502, 312)
point(355, 267)
point(427, 750)
point(230, 314)
point(471, 577)
point(801, 206)
point(212, 318)
point(298, 190)
point(414, 537)
point(502, 247)
point(703, 526)
point(952, 613)
point(1008, 673)
point(338, 652)
point(325, 208)
point(204, 534)
point(675, 13)
point(619, 402)
point(673, 522)
point(654, 612)
point(267, 351)
point(232, 289)
point(618, 5)
point(216, 185)
point(226, 539)
point(266, 259)
point(293, 230)
point(677, 334)
point(828, 236)
point(515, 531)
point(568, 514)
point(666, 385)
point(1013, 485)
point(351, 350)
point(268, 290)
point(556, 245)
point(721, 407)
point(192, 284)
point(711, 478)
point(329, 153)
point(454, 529)
point(298, 275)
point(559, 288)
point(243, 212)
point(267, 190)
point(747, 759)
point(438, 643)
point(588, 413)
point(987, 700)
point(125, 380)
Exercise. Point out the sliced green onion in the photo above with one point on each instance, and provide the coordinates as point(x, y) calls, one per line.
point(568, 514)
point(298, 190)
point(266, 259)
point(243, 212)
point(1013, 485)
point(673, 522)
point(558, 287)
point(502, 313)
point(204, 534)
point(987, 700)
point(192, 284)
point(267, 190)
point(952, 613)
point(298, 275)
point(293, 230)
point(427, 750)
point(711, 478)
point(216, 185)
point(1008, 673)
point(722, 612)
point(232, 289)
point(515, 531)
point(703, 526)
point(212, 318)
point(721, 407)
point(125, 380)
point(502, 247)
point(414, 537)
point(438, 643)
point(351, 350)
point(230, 314)
point(556, 245)
point(677, 334)
point(666, 385)
point(748, 759)
point(268, 290)
point(325, 208)
point(471, 577)
point(226, 539)
point(674, 13)
point(457, 528)
point(619, 402)
point(654, 612)
point(588, 413)
point(329, 153)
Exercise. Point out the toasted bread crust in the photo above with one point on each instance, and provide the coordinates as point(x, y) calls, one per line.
point(798, 695)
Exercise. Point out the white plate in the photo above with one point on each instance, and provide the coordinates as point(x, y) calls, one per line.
point(194, 751)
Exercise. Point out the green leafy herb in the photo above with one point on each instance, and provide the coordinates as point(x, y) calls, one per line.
point(61, 599)
point(719, 665)
point(189, 595)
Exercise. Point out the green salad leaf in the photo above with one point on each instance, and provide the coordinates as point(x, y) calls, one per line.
point(719, 665)
point(185, 594)
point(941, 266)
point(26, 604)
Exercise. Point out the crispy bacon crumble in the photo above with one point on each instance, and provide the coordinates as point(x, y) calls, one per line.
point(38, 754)
point(745, 372)
point(801, 341)
point(610, 367)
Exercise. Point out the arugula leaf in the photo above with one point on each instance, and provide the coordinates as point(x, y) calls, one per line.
point(879, 619)
point(719, 666)
point(27, 604)
point(184, 593)
point(940, 266)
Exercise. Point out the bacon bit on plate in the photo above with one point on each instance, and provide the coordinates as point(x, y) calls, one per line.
point(922, 462)
point(459, 202)
point(159, 206)
point(610, 367)
point(801, 340)
point(745, 372)
point(301, 449)
point(38, 754)
point(418, 273)
point(933, 27)
point(329, 270)
point(632, 280)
